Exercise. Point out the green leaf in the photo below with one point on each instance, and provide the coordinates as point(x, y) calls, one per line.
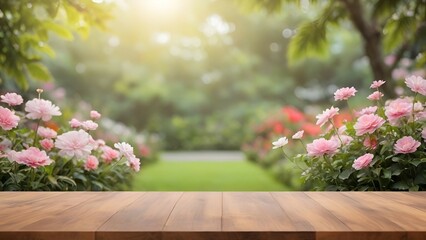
point(58, 29)
point(52, 179)
point(38, 71)
point(414, 188)
point(401, 185)
point(420, 179)
point(345, 174)
point(67, 180)
point(387, 173)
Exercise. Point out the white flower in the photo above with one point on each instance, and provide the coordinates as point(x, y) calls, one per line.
point(280, 143)
point(298, 135)
point(125, 150)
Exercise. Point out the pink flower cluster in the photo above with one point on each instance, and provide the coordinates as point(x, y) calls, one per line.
point(370, 124)
point(77, 143)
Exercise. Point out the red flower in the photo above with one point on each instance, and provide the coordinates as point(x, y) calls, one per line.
point(293, 114)
point(311, 129)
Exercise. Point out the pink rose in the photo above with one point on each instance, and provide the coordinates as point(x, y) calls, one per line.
point(367, 110)
point(370, 142)
point(320, 147)
point(89, 125)
point(345, 139)
point(416, 84)
point(41, 109)
point(368, 124)
point(74, 123)
point(5, 144)
point(74, 143)
point(47, 144)
point(12, 99)
point(109, 154)
point(375, 96)
point(298, 135)
point(424, 134)
point(377, 84)
point(363, 161)
point(134, 163)
point(125, 150)
point(46, 132)
point(8, 119)
point(31, 157)
point(344, 93)
point(94, 115)
point(406, 144)
point(398, 109)
point(91, 163)
point(327, 115)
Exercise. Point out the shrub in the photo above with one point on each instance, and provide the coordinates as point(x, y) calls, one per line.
point(383, 149)
point(36, 154)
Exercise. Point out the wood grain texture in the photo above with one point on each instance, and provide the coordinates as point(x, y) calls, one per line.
point(308, 215)
point(254, 211)
point(197, 211)
point(213, 215)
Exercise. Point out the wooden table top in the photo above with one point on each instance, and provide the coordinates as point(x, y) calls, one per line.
point(213, 215)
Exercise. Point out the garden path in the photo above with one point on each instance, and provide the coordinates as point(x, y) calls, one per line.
point(209, 155)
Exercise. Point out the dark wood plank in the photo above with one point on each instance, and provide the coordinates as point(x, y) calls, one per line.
point(145, 218)
point(197, 211)
point(408, 218)
point(355, 215)
point(86, 216)
point(361, 235)
point(306, 214)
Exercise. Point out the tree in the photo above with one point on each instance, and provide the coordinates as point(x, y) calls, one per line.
point(395, 27)
point(24, 32)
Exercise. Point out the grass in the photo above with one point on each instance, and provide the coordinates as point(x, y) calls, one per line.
point(205, 176)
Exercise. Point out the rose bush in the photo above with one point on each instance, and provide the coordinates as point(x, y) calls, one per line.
point(34, 156)
point(382, 149)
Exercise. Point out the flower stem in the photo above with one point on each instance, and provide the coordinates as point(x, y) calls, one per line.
point(35, 134)
point(337, 132)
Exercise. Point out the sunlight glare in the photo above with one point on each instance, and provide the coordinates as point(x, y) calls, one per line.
point(161, 7)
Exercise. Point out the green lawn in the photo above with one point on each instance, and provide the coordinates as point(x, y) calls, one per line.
point(205, 176)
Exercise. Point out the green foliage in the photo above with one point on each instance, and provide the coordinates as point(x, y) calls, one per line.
point(25, 28)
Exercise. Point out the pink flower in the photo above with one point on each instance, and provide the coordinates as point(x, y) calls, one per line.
point(94, 115)
point(344, 93)
point(345, 139)
point(416, 84)
point(320, 147)
point(31, 157)
point(74, 143)
point(125, 150)
point(5, 144)
point(377, 84)
point(109, 154)
point(46, 132)
point(89, 125)
point(281, 142)
point(41, 109)
point(74, 123)
point(367, 110)
point(406, 144)
point(363, 161)
point(424, 134)
point(370, 142)
point(327, 115)
point(368, 124)
point(8, 119)
point(134, 163)
point(375, 96)
point(47, 144)
point(298, 135)
point(91, 163)
point(12, 99)
point(398, 109)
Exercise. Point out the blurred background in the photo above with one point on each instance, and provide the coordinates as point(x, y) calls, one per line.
point(177, 78)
